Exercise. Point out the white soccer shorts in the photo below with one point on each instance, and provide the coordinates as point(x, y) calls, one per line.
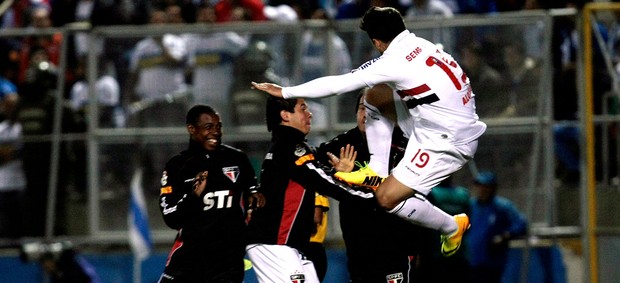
point(280, 264)
point(429, 159)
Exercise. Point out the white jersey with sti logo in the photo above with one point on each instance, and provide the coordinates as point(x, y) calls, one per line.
point(432, 84)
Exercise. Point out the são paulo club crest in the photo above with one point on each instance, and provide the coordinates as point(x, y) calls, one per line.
point(298, 278)
point(231, 172)
point(164, 178)
point(394, 278)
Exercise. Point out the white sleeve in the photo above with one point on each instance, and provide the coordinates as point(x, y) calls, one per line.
point(325, 86)
point(176, 46)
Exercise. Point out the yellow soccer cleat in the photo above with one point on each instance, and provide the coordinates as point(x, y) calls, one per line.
point(365, 177)
point(451, 244)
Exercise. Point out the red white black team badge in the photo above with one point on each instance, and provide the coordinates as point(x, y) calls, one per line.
point(394, 278)
point(298, 278)
point(164, 178)
point(231, 172)
point(300, 150)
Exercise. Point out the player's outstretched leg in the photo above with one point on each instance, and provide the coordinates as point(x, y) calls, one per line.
point(450, 244)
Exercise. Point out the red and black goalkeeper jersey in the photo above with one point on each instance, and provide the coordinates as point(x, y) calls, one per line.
point(290, 175)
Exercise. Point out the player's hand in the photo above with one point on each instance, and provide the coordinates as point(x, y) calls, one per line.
point(200, 183)
point(256, 200)
point(346, 162)
point(499, 244)
point(272, 89)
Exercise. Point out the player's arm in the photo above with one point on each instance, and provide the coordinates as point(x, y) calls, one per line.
point(518, 223)
point(271, 88)
point(179, 199)
point(317, 88)
point(253, 197)
point(308, 171)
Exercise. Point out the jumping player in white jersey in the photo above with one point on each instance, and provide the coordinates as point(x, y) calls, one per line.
point(430, 98)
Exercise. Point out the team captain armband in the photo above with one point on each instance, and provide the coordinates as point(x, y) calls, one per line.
point(301, 160)
point(165, 190)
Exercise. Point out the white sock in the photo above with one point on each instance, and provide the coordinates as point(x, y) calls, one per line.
point(420, 211)
point(379, 134)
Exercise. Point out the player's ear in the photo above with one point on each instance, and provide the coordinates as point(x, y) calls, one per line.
point(379, 45)
point(376, 43)
point(191, 129)
point(285, 115)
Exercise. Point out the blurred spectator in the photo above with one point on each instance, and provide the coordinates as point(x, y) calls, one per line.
point(303, 8)
point(254, 64)
point(107, 94)
point(40, 19)
point(281, 43)
point(566, 147)
point(564, 47)
point(477, 7)
point(354, 9)
point(20, 10)
point(452, 4)
point(420, 8)
point(74, 12)
point(69, 267)
point(158, 93)
point(351, 9)
point(8, 70)
point(211, 57)
point(485, 80)
point(60, 261)
point(282, 13)
point(12, 176)
point(7, 15)
point(239, 10)
point(63, 12)
point(117, 12)
point(453, 200)
point(316, 62)
point(510, 5)
point(494, 222)
point(82, 11)
point(35, 112)
point(314, 48)
point(522, 77)
point(157, 66)
point(110, 113)
point(174, 14)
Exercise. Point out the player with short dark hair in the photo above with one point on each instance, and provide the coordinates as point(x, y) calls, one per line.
point(290, 175)
point(205, 193)
point(430, 98)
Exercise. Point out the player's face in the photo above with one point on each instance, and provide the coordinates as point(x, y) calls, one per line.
point(207, 131)
point(483, 193)
point(301, 118)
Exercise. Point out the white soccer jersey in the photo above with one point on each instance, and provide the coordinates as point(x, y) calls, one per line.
point(212, 58)
point(157, 76)
point(434, 86)
point(106, 88)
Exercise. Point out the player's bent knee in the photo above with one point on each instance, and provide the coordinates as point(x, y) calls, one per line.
point(391, 193)
point(384, 200)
